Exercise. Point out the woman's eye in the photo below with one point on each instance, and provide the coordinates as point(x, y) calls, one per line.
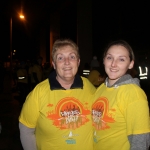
point(108, 57)
point(72, 57)
point(60, 58)
point(121, 59)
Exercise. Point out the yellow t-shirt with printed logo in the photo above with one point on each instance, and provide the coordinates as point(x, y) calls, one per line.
point(117, 113)
point(62, 118)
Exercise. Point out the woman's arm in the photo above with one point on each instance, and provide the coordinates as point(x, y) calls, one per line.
point(139, 141)
point(138, 124)
point(27, 137)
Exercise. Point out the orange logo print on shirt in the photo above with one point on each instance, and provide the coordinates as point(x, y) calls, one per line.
point(100, 114)
point(69, 113)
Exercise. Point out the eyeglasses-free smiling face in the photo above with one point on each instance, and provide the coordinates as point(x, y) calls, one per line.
point(66, 63)
point(117, 62)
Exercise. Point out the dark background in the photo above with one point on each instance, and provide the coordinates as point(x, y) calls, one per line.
point(128, 20)
point(111, 20)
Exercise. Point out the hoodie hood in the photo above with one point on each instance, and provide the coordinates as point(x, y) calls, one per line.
point(126, 79)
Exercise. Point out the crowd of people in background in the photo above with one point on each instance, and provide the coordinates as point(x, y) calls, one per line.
point(26, 74)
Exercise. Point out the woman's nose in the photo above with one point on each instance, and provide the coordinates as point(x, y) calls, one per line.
point(114, 62)
point(67, 60)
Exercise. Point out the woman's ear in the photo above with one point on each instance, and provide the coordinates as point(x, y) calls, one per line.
point(53, 65)
point(78, 62)
point(131, 65)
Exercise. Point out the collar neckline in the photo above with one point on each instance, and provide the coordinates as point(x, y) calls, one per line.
point(55, 85)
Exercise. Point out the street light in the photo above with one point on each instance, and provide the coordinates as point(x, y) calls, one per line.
point(22, 17)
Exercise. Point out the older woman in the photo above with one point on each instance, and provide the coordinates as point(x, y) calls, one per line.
point(57, 113)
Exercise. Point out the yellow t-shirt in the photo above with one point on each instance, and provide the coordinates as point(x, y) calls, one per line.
point(62, 118)
point(117, 113)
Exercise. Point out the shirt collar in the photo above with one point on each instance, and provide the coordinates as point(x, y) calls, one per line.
point(55, 85)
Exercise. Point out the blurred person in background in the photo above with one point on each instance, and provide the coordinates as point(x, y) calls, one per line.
point(22, 82)
point(14, 76)
point(2, 75)
point(37, 71)
point(97, 76)
point(46, 70)
point(57, 112)
point(94, 63)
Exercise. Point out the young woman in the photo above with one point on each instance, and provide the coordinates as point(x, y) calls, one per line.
point(120, 111)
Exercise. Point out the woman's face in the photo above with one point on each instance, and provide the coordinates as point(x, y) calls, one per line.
point(66, 63)
point(117, 62)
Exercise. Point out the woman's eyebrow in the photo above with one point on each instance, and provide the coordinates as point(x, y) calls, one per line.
point(108, 54)
point(123, 56)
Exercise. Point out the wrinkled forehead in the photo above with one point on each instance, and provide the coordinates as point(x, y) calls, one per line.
point(65, 50)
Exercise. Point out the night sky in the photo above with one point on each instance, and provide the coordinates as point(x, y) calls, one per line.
point(25, 33)
point(123, 19)
point(111, 20)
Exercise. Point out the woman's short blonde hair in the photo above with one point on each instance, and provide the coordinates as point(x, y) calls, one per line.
point(62, 43)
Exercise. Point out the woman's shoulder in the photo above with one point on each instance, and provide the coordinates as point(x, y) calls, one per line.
point(131, 88)
point(132, 91)
point(42, 86)
point(88, 85)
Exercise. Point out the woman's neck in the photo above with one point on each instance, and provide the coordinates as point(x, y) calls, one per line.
point(65, 83)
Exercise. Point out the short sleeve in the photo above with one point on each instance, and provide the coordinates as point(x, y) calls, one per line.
point(30, 110)
point(137, 116)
